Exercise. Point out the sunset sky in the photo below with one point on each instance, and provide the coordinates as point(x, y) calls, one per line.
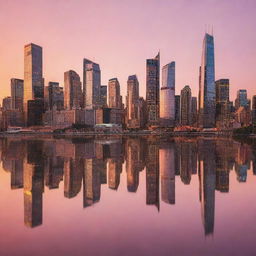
point(120, 35)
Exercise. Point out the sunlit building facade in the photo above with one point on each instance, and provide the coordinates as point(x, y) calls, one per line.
point(33, 79)
point(152, 90)
point(114, 97)
point(91, 83)
point(185, 105)
point(73, 97)
point(207, 84)
point(17, 93)
point(167, 93)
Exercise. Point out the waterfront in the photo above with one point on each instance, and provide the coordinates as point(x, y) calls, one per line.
point(127, 196)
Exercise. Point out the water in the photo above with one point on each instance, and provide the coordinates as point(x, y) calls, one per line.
point(130, 196)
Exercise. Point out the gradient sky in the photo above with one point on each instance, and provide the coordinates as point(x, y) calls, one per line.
point(121, 35)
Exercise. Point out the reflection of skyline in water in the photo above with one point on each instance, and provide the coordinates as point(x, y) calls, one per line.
point(84, 166)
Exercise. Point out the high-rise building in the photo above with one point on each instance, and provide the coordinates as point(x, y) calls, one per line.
point(194, 111)
point(17, 93)
point(207, 84)
point(133, 102)
point(167, 93)
point(33, 80)
point(254, 109)
point(241, 99)
point(223, 106)
point(177, 109)
point(73, 98)
point(152, 90)
point(91, 83)
point(185, 105)
point(104, 95)
point(55, 95)
point(7, 103)
point(114, 97)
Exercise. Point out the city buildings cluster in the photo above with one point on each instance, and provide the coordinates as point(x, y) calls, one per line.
point(87, 102)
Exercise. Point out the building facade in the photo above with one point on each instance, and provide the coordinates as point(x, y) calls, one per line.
point(207, 84)
point(17, 93)
point(91, 83)
point(152, 90)
point(73, 98)
point(223, 106)
point(114, 97)
point(33, 78)
point(185, 106)
point(167, 93)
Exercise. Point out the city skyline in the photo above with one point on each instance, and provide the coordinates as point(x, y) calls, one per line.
point(186, 53)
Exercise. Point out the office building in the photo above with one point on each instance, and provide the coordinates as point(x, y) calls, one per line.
point(207, 84)
point(91, 84)
point(152, 90)
point(17, 93)
point(185, 105)
point(114, 97)
point(73, 98)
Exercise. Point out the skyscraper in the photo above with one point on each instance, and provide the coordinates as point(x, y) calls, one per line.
point(73, 91)
point(56, 96)
point(185, 105)
point(17, 93)
point(91, 83)
point(207, 84)
point(114, 97)
point(133, 101)
point(167, 93)
point(241, 99)
point(103, 95)
point(194, 111)
point(177, 109)
point(254, 109)
point(223, 106)
point(33, 81)
point(152, 90)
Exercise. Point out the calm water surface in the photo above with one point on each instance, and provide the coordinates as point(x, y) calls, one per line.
point(132, 196)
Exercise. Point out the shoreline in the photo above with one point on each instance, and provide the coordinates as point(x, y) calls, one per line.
point(124, 134)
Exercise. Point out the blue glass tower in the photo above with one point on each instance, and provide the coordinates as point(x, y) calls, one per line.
point(207, 85)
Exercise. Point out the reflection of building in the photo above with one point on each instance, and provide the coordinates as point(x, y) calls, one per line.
point(72, 177)
point(207, 85)
point(33, 184)
point(134, 164)
point(91, 182)
point(152, 90)
point(152, 174)
point(187, 161)
point(167, 172)
point(114, 171)
point(207, 177)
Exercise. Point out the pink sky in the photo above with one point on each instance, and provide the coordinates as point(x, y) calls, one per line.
point(121, 35)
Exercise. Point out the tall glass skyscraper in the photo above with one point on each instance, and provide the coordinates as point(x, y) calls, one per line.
point(207, 84)
point(91, 83)
point(167, 93)
point(33, 84)
point(152, 90)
